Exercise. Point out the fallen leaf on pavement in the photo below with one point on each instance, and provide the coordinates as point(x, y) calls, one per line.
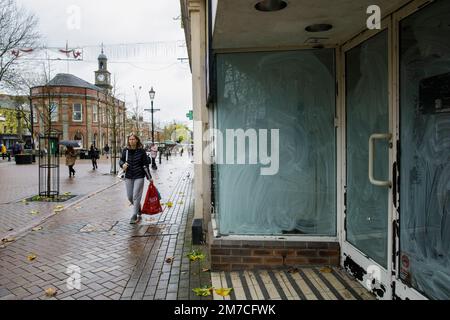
point(223, 291)
point(205, 270)
point(293, 270)
point(88, 228)
point(31, 257)
point(169, 204)
point(203, 292)
point(195, 255)
point(37, 229)
point(34, 212)
point(9, 239)
point(58, 208)
point(50, 292)
point(326, 270)
point(169, 260)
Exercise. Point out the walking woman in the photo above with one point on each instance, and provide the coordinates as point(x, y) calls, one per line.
point(94, 154)
point(71, 157)
point(135, 162)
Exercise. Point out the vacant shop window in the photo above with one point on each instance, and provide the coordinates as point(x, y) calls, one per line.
point(425, 150)
point(293, 92)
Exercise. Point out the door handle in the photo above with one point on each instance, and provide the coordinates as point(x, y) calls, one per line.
point(373, 137)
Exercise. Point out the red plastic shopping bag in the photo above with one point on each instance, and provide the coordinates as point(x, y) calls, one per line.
point(151, 203)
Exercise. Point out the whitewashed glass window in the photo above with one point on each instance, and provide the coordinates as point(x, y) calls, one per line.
point(77, 112)
point(425, 150)
point(293, 92)
point(94, 113)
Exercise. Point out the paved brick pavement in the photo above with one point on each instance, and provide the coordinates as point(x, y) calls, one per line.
point(20, 182)
point(119, 261)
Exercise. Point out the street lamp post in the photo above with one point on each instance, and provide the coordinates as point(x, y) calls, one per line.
point(152, 97)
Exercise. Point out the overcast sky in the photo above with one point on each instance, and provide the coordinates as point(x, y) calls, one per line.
point(151, 42)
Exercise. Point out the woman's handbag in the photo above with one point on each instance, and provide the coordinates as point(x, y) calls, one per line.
point(121, 174)
point(151, 204)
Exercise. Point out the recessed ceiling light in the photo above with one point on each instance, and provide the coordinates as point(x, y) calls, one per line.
point(270, 5)
point(321, 27)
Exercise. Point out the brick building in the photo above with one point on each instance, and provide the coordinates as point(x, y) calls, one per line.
point(78, 110)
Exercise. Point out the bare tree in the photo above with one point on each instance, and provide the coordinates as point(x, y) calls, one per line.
point(136, 112)
point(115, 121)
point(17, 34)
point(23, 99)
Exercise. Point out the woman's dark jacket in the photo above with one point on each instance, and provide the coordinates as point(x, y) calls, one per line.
point(93, 153)
point(137, 160)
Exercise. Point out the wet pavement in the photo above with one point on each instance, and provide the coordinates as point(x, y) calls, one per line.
point(116, 260)
point(91, 237)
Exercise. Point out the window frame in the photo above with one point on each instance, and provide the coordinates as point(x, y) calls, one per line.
point(74, 112)
point(95, 113)
point(54, 114)
point(35, 114)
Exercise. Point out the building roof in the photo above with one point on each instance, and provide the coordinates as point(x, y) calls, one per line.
point(69, 80)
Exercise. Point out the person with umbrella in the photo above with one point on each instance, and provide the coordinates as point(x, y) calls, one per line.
point(71, 157)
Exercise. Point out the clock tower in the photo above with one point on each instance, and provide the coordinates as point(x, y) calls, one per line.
point(102, 75)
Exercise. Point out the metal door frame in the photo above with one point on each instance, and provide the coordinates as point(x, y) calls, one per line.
point(401, 290)
point(360, 261)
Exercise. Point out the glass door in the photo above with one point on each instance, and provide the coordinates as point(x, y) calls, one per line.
point(424, 135)
point(367, 245)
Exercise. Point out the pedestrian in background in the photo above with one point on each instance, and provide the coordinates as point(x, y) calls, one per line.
point(71, 157)
point(153, 155)
point(106, 149)
point(94, 155)
point(4, 151)
point(135, 162)
point(17, 149)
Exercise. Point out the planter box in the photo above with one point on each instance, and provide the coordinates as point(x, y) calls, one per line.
point(24, 158)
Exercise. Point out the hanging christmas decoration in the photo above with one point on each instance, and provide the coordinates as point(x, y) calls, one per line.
point(17, 52)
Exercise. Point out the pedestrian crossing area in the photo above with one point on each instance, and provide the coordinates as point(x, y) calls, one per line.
point(294, 284)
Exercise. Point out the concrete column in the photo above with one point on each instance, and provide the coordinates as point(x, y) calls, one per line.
point(197, 14)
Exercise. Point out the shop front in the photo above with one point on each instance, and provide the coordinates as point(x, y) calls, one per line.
point(334, 151)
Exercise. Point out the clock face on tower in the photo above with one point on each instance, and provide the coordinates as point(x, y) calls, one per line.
point(101, 77)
